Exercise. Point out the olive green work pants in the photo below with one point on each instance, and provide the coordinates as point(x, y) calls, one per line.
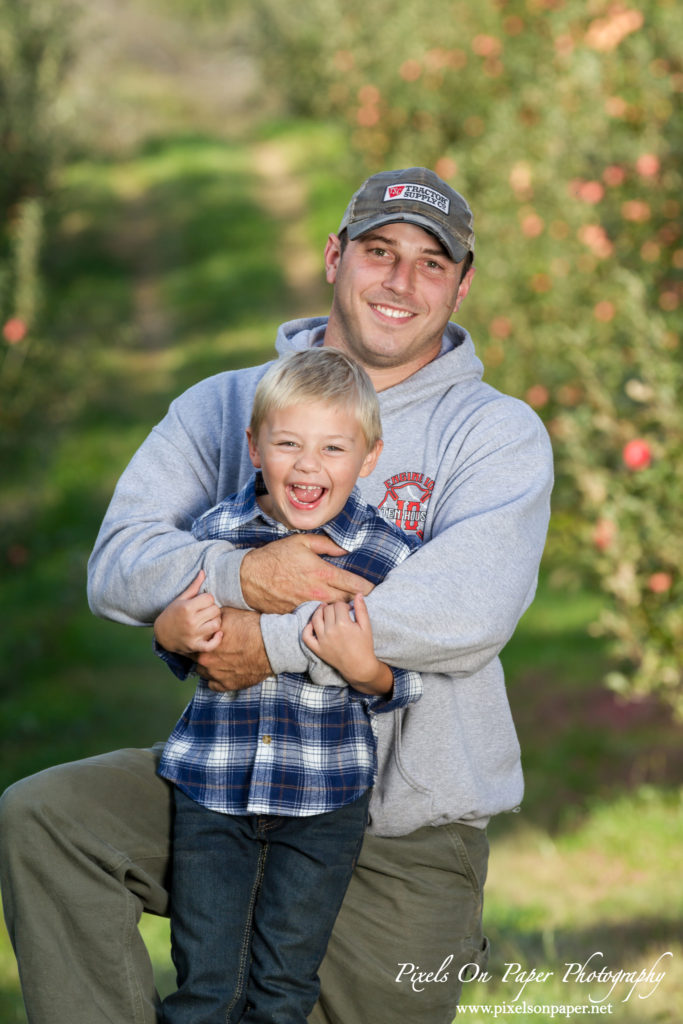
point(84, 850)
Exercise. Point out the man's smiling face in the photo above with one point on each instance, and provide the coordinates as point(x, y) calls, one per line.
point(395, 288)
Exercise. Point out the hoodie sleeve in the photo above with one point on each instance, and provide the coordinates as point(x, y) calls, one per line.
point(454, 604)
point(480, 568)
point(145, 555)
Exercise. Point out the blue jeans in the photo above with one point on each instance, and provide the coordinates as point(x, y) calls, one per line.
point(253, 902)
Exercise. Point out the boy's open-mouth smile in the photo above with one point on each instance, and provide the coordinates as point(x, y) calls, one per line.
point(311, 456)
point(305, 496)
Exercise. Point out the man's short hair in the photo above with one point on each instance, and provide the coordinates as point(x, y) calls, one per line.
point(318, 375)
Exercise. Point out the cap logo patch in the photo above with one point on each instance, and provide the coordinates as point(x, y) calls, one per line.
point(417, 193)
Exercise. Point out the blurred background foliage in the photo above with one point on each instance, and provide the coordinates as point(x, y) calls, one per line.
point(558, 119)
point(561, 123)
point(169, 172)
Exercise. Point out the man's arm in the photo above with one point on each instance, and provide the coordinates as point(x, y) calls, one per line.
point(145, 554)
point(454, 604)
point(241, 660)
point(280, 576)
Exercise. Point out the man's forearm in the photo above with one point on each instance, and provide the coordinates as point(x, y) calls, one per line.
point(241, 660)
point(133, 575)
point(145, 555)
point(279, 576)
point(455, 602)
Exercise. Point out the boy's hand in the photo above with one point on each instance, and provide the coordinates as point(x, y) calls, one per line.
point(348, 646)
point(280, 576)
point(191, 623)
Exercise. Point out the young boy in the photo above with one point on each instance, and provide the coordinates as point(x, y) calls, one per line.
point(272, 782)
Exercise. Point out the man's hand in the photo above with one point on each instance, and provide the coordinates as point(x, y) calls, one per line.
point(282, 575)
point(240, 660)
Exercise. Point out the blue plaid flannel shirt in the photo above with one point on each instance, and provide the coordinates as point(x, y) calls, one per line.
point(286, 746)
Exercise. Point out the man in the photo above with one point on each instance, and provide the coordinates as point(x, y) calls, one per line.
point(86, 845)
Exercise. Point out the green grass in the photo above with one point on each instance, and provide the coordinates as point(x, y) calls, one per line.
point(608, 889)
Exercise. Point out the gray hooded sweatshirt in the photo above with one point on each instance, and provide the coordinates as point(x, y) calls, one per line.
point(466, 466)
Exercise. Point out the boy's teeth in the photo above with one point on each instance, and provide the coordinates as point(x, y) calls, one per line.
point(306, 492)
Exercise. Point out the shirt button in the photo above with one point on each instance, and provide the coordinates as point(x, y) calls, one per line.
point(267, 739)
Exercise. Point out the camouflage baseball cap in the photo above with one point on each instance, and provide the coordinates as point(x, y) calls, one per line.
point(415, 195)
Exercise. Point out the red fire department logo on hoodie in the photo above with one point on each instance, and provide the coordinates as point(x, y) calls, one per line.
point(405, 501)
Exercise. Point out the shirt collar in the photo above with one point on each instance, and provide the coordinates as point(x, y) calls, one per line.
point(346, 524)
point(341, 529)
point(244, 507)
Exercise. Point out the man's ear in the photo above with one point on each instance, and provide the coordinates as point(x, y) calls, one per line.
point(464, 288)
point(370, 460)
point(254, 453)
point(333, 255)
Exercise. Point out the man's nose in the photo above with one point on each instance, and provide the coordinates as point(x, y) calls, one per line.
point(401, 277)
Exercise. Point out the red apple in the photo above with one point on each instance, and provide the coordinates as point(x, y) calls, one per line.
point(660, 582)
point(637, 454)
point(604, 533)
point(14, 330)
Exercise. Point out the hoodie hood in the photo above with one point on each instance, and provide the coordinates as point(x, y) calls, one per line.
point(457, 362)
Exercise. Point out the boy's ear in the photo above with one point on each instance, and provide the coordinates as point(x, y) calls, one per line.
point(370, 460)
point(253, 450)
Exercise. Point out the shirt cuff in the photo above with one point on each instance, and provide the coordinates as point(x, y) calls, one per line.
point(281, 639)
point(406, 690)
point(179, 665)
point(223, 578)
point(287, 652)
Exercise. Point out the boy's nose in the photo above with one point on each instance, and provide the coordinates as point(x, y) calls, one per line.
point(308, 462)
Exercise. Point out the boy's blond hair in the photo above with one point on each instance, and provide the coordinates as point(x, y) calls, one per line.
point(318, 375)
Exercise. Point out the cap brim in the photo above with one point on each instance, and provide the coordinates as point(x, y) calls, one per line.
point(455, 249)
